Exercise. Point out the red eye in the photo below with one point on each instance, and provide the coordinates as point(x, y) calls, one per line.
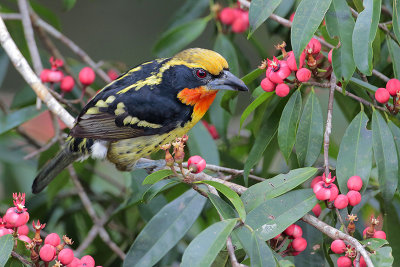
point(201, 73)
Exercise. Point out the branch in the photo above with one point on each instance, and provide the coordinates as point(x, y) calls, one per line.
point(21, 258)
point(328, 127)
point(336, 234)
point(30, 77)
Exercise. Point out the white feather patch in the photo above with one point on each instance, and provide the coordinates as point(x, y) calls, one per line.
point(99, 149)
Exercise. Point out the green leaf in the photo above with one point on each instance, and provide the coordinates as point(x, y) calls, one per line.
point(259, 11)
point(275, 186)
point(274, 215)
point(339, 22)
point(203, 250)
point(286, 263)
point(253, 105)
point(157, 176)
point(69, 4)
point(355, 153)
point(374, 243)
point(364, 34)
point(177, 38)
point(385, 156)
point(201, 143)
point(223, 208)
point(231, 195)
point(4, 62)
point(219, 117)
point(309, 15)
point(225, 47)
point(165, 230)
point(396, 136)
point(363, 85)
point(6, 246)
point(188, 11)
point(394, 51)
point(310, 133)
point(396, 18)
point(228, 101)
point(383, 257)
point(261, 254)
point(16, 118)
point(288, 124)
point(155, 189)
point(251, 76)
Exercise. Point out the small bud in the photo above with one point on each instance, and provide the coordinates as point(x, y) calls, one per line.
point(303, 75)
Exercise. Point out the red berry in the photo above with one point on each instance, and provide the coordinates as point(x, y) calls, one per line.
point(317, 210)
point(382, 95)
point(52, 239)
point(315, 180)
point(291, 61)
point(87, 76)
point(55, 76)
point(299, 244)
point(280, 72)
point(393, 86)
point(44, 75)
point(282, 90)
point(294, 230)
point(196, 163)
point(344, 261)
point(112, 74)
point(267, 85)
point(5, 231)
point(355, 183)
point(303, 75)
point(291, 17)
point(24, 238)
point(380, 234)
point(75, 263)
point(325, 191)
point(47, 253)
point(67, 84)
point(87, 261)
point(354, 197)
point(66, 256)
point(16, 216)
point(23, 230)
point(330, 56)
point(227, 15)
point(362, 262)
point(313, 47)
point(240, 24)
point(338, 246)
point(341, 201)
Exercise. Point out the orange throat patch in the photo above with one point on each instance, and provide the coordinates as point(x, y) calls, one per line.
point(200, 98)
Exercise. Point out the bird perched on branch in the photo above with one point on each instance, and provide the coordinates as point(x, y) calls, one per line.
point(148, 106)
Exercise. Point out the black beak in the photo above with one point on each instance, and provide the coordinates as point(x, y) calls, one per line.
point(227, 81)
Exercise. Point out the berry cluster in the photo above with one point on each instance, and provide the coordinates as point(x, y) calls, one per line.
point(67, 83)
point(14, 222)
point(236, 18)
point(325, 189)
point(339, 246)
point(382, 95)
point(278, 71)
point(297, 243)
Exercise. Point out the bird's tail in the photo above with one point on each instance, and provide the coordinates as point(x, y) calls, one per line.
point(52, 169)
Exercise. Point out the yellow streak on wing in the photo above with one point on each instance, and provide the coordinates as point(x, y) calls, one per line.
point(110, 99)
point(148, 124)
point(101, 104)
point(134, 120)
point(127, 120)
point(82, 144)
point(120, 109)
point(93, 110)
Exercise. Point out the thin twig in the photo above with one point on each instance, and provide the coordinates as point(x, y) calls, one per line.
point(328, 126)
point(21, 258)
point(30, 77)
point(43, 148)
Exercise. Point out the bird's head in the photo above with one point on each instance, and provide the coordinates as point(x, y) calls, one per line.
point(199, 74)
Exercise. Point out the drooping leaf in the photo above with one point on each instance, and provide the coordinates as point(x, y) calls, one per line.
point(394, 51)
point(6, 246)
point(201, 143)
point(157, 176)
point(364, 34)
point(205, 247)
point(396, 18)
point(274, 215)
point(355, 153)
point(225, 47)
point(309, 15)
point(275, 186)
point(385, 156)
point(177, 38)
point(261, 254)
point(339, 22)
point(223, 208)
point(288, 124)
point(231, 195)
point(165, 230)
point(259, 12)
point(310, 132)
point(256, 103)
point(16, 118)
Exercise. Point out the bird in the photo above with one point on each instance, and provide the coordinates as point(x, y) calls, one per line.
point(146, 107)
